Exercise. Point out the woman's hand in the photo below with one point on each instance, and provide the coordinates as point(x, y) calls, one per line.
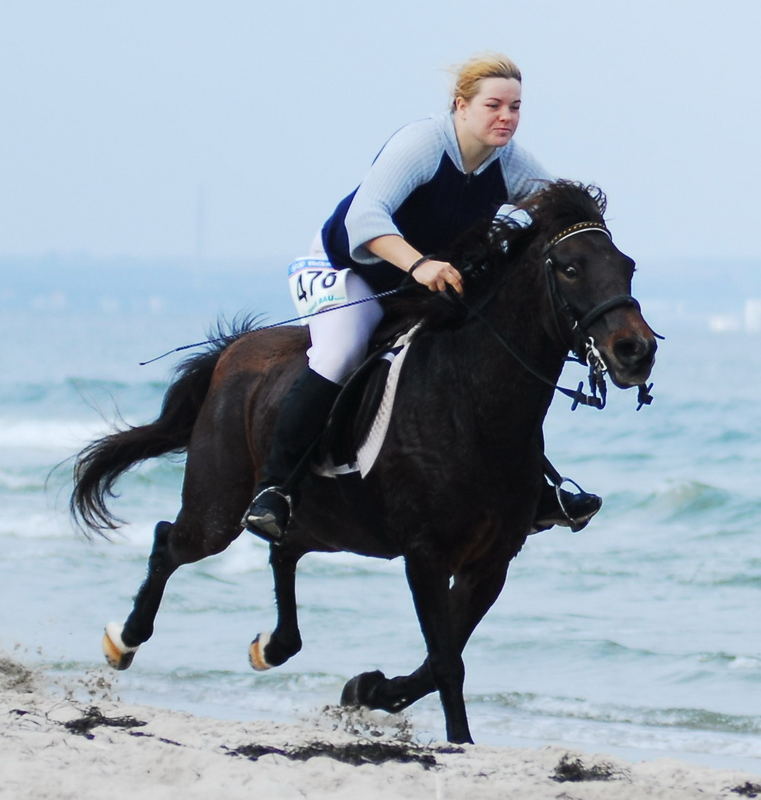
point(437, 275)
point(433, 274)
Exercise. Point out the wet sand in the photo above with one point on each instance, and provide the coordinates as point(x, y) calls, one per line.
point(56, 746)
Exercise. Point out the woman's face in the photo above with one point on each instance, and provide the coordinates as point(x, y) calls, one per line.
point(491, 116)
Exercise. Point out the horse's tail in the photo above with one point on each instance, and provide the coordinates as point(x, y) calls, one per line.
point(98, 465)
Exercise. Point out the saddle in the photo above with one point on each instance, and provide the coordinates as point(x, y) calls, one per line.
point(359, 419)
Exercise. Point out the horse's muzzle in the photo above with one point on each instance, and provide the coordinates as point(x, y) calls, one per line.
point(630, 359)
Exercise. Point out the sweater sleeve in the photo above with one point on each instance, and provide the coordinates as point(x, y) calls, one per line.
point(408, 160)
point(523, 174)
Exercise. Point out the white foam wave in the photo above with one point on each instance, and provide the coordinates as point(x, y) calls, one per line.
point(48, 434)
point(18, 483)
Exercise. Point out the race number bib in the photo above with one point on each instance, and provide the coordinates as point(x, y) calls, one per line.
point(316, 285)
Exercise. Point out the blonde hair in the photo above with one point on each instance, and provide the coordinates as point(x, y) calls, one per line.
point(469, 75)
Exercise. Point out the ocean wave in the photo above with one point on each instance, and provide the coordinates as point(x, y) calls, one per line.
point(22, 482)
point(582, 709)
point(44, 433)
point(82, 396)
point(732, 661)
point(689, 498)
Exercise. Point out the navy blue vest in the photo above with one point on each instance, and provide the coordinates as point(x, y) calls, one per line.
point(430, 219)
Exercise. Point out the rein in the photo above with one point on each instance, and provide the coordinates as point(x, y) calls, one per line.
point(583, 348)
point(583, 345)
point(377, 296)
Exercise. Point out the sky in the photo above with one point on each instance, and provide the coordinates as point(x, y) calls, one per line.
point(228, 130)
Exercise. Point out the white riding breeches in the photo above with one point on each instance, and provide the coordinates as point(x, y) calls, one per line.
point(340, 336)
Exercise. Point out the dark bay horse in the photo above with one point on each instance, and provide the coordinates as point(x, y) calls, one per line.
point(456, 485)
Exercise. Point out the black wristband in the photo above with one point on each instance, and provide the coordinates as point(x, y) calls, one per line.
point(418, 263)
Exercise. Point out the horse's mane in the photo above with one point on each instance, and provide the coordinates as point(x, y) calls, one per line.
point(491, 248)
point(564, 203)
point(505, 241)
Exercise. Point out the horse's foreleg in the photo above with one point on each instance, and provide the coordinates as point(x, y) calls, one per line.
point(375, 690)
point(121, 643)
point(429, 582)
point(273, 649)
point(471, 596)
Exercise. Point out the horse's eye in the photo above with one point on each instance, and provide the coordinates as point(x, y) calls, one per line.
point(570, 271)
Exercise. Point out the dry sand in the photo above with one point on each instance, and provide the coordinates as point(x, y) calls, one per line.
point(56, 746)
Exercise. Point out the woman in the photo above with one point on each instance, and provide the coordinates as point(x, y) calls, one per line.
point(433, 180)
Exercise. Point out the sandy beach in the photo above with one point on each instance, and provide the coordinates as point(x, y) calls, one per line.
point(55, 745)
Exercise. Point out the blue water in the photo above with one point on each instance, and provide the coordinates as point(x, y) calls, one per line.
point(639, 636)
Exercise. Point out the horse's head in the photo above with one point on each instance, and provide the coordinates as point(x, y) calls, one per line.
point(589, 281)
point(581, 282)
point(590, 285)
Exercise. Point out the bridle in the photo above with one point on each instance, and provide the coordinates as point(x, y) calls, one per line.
point(579, 325)
point(583, 344)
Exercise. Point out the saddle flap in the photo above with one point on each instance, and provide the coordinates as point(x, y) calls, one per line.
point(363, 406)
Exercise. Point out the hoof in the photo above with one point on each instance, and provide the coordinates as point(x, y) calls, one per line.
point(118, 655)
point(256, 653)
point(358, 690)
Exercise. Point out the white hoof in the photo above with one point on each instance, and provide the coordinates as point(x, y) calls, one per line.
point(256, 652)
point(118, 654)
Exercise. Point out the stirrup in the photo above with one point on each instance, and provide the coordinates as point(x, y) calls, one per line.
point(575, 522)
point(594, 503)
point(269, 514)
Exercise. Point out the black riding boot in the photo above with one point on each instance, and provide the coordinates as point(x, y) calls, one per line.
point(300, 421)
point(559, 507)
point(572, 510)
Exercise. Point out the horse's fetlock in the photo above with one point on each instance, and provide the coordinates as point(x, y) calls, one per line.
point(134, 638)
point(278, 649)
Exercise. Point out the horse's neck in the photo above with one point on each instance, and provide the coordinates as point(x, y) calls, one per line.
point(521, 317)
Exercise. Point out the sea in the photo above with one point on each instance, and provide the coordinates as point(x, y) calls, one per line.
point(639, 637)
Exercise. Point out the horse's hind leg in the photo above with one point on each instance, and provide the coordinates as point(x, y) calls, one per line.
point(120, 644)
point(273, 649)
point(219, 476)
point(197, 532)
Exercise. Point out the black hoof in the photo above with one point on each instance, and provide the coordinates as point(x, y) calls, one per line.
point(461, 738)
point(358, 691)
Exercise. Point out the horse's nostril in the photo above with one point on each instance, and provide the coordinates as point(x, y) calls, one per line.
point(629, 351)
